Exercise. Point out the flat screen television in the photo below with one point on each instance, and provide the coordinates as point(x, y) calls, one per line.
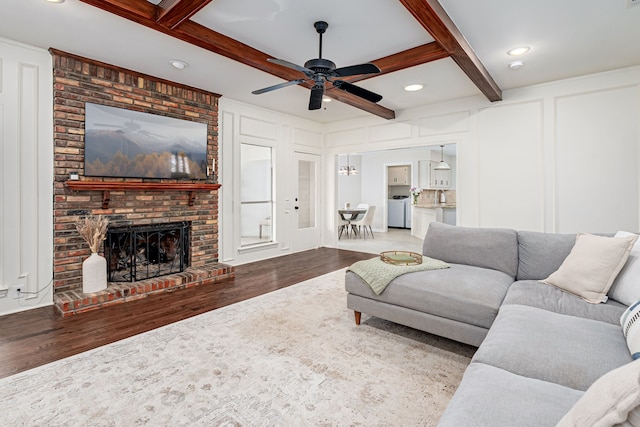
point(125, 143)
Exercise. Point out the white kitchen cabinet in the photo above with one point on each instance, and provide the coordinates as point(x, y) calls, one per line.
point(398, 175)
point(424, 174)
point(420, 220)
point(441, 178)
point(429, 178)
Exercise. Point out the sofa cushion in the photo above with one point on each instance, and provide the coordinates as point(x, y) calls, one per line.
point(613, 400)
point(541, 295)
point(490, 396)
point(540, 254)
point(462, 292)
point(548, 346)
point(495, 248)
point(592, 265)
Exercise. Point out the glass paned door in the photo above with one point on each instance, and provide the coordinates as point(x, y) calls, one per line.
point(306, 194)
point(307, 231)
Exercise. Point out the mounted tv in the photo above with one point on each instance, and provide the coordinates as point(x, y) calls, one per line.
point(130, 144)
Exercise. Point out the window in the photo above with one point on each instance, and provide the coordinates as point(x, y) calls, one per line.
point(256, 194)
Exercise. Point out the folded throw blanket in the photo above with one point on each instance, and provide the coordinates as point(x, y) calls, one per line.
point(377, 273)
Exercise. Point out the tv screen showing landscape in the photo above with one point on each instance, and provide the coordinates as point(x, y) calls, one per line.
point(124, 143)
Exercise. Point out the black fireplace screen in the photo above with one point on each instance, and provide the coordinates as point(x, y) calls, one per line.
point(141, 252)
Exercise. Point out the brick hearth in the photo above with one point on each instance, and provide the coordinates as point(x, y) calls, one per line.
point(73, 302)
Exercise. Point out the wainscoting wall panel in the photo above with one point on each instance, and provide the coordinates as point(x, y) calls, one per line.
point(444, 123)
point(26, 158)
point(346, 137)
point(307, 138)
point(510, 166)
point(598, 134)
point(250, 126)
point(391, 131)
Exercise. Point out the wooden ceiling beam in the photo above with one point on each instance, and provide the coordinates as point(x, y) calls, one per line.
point(172, 13)
point(139, 11)
point(191, 32)
point(432, 16)
point(363, 104)
point(406, 59)
point(410, 58)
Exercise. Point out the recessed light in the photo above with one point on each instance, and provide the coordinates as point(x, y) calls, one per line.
point(516, 65)
point(54, 1)
point(413, 88)
point(517, 51)
point(326, 99)
point(180, 65)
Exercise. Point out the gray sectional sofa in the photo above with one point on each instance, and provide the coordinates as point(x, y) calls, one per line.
point(540, 348)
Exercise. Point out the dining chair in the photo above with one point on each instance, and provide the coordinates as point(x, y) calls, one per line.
point(343, 225)
point(365, 222)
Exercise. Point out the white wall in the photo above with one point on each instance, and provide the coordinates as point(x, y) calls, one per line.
point(557, 157)
point(243, 123)
point(26, 176)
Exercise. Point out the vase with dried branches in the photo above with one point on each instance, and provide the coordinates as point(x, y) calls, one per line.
point(93, 229)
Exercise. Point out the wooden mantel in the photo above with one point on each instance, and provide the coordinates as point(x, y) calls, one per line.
point(107, 186)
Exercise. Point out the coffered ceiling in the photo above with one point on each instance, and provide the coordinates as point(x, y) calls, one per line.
point(455, 48)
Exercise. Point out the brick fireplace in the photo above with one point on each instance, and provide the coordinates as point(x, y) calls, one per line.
point(127, 202)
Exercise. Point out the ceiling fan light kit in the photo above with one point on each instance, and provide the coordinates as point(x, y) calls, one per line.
point(320, 71)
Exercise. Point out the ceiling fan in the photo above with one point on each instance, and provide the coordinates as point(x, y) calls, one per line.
point(322, 70)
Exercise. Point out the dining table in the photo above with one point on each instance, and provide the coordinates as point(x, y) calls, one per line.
point(350, 214)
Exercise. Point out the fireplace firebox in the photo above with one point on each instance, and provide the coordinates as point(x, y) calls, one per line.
point(136, 253)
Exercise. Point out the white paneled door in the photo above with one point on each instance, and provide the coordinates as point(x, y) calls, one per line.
point(306, 202)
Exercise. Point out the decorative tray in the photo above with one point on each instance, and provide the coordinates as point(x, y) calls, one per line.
point(401, 258)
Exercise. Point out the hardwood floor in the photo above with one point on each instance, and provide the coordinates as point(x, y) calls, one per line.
point(39, 336)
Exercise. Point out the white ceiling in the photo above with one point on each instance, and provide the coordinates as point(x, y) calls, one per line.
point(567, 38)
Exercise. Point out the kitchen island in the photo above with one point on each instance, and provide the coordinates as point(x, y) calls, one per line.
point(425, 213)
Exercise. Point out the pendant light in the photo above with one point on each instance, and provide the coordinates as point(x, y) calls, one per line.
point(442, 165)
point(348, 169)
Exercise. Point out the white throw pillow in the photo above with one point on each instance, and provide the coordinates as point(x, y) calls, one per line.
point(626, 287)
point(614, 399)
point(592, 265)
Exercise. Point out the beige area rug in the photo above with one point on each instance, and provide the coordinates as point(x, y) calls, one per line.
point(293, 357)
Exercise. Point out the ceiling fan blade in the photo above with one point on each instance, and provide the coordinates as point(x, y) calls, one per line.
point(278, 86)
point(357, 91)
point(315, 100)
point(309, 73)
point(354, 70)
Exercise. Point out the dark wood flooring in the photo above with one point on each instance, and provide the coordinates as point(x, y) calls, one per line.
point(39, 336)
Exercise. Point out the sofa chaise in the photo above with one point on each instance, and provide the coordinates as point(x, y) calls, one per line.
point(541, 346)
